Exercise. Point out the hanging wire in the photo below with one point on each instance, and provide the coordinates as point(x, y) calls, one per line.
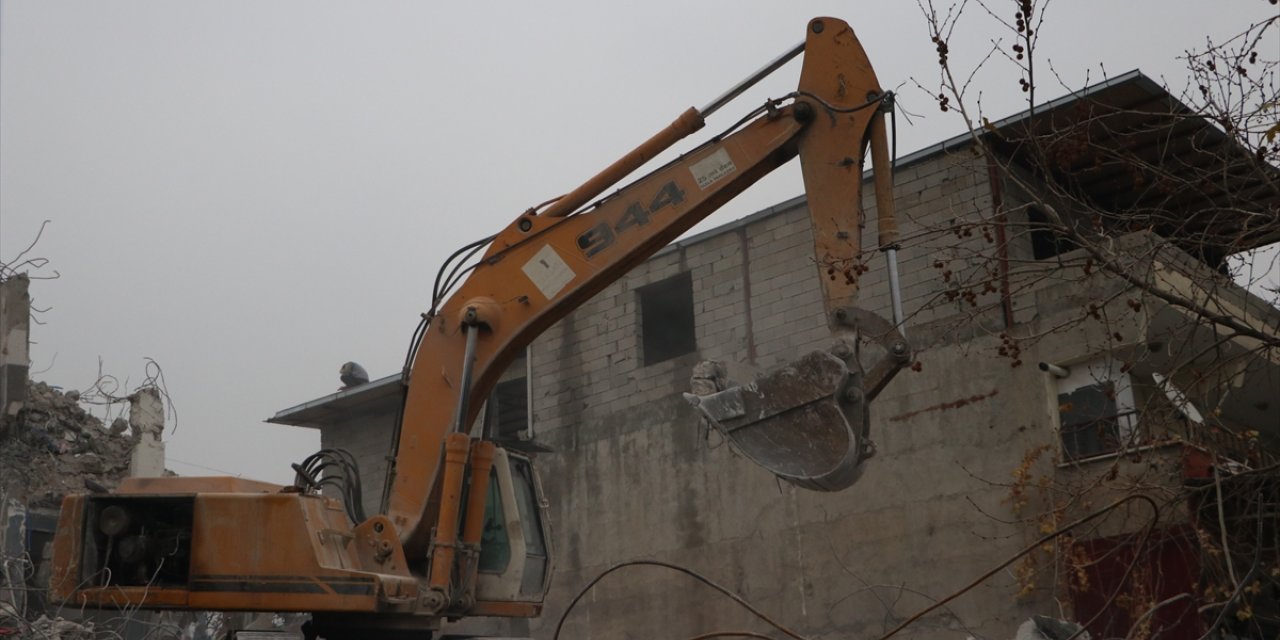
point(1142, 543)
point(696, 576)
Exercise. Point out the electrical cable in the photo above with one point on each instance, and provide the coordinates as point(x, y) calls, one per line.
point(455, 275)
point(689, 572)
point(831, 107)
point(548, 203)
point(731, 634)
point(336, 468)
point(440, 287)
point(436, 293)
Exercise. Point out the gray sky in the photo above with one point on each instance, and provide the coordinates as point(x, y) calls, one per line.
point(254, 193)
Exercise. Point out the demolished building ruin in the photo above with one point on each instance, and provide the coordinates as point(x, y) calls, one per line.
point(52, 446)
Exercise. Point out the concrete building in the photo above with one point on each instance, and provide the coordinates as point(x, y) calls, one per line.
point(974, 442)
point(15, 333)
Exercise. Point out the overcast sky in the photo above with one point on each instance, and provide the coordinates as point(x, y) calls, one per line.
point(253, 193)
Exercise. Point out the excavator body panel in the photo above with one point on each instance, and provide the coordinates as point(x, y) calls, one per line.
point(193, 550)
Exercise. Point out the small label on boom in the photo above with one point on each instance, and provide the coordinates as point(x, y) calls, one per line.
point(548, 271)
point(712, 168)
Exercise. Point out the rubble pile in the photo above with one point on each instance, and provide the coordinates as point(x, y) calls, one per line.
point(53, 447)
point(60, 629)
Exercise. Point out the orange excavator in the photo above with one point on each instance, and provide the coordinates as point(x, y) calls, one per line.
point(462, 529)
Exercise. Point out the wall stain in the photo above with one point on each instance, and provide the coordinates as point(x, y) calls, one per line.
point(944, 406)
point(689, 520)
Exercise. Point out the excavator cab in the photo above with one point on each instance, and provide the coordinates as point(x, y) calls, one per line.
point(515, 555)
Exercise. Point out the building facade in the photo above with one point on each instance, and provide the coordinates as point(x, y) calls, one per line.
point(977, 444)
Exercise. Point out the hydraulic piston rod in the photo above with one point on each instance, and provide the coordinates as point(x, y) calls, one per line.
point(751, 80)
point(688, 122)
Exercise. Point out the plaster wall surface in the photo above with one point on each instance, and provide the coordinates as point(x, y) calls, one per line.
point(367, 435)
point(631, 474)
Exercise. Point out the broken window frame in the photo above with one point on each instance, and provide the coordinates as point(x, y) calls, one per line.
point(1046, 242)
point(1114, 429)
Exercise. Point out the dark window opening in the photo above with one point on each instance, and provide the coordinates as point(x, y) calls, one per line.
point(506, 416)
point(666, 319)
point(1046, 242)
point(509, 407)
point(1089, 421)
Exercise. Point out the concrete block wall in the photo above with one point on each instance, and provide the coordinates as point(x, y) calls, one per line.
point(934, 196)
point(632, 475)
point(368, 437)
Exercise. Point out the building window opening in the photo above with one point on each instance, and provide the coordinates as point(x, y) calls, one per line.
point(506, 415)
point(1096, 414)
point(666, 319)
point(1046, 242)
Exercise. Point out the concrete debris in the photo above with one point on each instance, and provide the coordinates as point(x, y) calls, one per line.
point(60, 629)
point(708, 377)
point(1046, 628)
point(53, 447)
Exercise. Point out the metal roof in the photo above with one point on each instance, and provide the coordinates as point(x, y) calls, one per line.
point(1126, 121)
point(326, 409)
point(1136, 157)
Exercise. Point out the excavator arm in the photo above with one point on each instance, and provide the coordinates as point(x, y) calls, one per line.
point(247, 546)
point(541, 267)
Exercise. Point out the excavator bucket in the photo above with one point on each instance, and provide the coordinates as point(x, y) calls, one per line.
point(805, 422)
point(808, 422)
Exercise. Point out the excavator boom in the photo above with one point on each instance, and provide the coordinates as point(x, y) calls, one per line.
point(226, 544)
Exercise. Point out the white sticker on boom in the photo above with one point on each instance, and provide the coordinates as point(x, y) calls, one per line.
point(548, 271)
point(712, 168)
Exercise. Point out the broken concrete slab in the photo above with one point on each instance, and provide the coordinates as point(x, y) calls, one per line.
point(146, 420)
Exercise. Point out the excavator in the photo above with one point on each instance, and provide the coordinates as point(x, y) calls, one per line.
point(462, 529)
